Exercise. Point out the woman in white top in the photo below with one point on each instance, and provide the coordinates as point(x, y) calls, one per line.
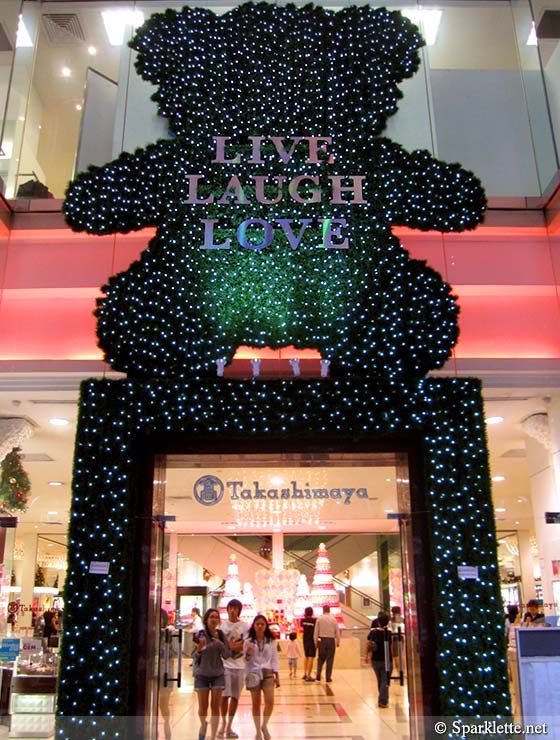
point(261, 653)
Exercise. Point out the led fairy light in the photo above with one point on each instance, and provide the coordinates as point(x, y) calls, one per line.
point(226, 299)
point(370, 309)
point(447, 412)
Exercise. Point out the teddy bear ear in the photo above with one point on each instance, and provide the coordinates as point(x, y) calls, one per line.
point(375, 50)
point(171, 44)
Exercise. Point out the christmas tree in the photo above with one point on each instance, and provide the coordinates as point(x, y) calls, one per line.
point(39, 577)
point(232, 587)
point(248, 601)
point(14, 483)
point(302, 597)
point(323, 592)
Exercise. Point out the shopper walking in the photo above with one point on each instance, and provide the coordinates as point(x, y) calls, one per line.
point(261, 655)
point(326, 637)
point(208, 668)
point(309, 649)
point(235, 631)
point(378, 651)
point(292, 653)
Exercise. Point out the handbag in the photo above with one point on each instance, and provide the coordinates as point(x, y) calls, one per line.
point(253, 678)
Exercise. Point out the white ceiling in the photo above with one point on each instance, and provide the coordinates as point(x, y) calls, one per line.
point(40, 398)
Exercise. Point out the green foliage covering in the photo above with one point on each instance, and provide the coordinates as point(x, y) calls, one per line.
point(265, 70)
point(117, 416)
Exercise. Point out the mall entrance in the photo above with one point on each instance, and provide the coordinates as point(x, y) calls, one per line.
point(279, 532)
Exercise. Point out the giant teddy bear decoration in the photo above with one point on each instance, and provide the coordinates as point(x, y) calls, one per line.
point(275, 197)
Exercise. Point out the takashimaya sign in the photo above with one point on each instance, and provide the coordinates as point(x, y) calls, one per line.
point(209, 490)
point(302, 189)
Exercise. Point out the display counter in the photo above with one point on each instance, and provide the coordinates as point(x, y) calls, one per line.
point(32, 700)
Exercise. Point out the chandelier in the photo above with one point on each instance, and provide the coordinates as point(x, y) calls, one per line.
point(276, 513)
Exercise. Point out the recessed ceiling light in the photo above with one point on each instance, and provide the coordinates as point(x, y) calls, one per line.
point(66, 72)
point(321, 526)
point(92, 51)
point(276, 480)
point(55, 483)
point(52, 513)
point(23, 39)
point(427, 19)
point(498, 478)
point(532, 37)
point(58, 422)
point(387, 480)
point(21, 118)
point(494, 419)
point(500, 511)
point(389, 511)
point(116, 22)
point(78, 106)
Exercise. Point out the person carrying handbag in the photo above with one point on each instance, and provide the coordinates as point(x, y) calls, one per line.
point(208, 668)
point(261, 655)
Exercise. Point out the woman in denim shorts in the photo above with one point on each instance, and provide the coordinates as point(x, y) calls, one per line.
point(210, 647)
point(261, 653)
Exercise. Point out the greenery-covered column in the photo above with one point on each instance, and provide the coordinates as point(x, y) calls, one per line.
point(99, 608)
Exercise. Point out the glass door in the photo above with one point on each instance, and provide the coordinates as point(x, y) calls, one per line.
point(157, 625)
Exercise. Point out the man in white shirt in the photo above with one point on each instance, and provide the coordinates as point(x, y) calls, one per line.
point(196, 624)
point(327, 638)
point(235, 631)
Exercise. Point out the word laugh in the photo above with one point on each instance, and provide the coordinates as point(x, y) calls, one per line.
point(258, 233)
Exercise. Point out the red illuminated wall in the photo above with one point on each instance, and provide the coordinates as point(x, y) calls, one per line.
point(505, 274)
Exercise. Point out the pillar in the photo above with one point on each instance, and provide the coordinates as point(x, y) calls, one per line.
point(526, 565)
point(28, 578)
point(278, 550)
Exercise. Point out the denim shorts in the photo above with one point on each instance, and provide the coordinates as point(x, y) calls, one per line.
point(205, 683)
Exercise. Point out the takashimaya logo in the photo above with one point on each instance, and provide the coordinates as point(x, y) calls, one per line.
point(208, 490)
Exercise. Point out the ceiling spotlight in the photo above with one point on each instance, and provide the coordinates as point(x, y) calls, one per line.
point(500, 511)
point(55, 483)
point(57, 422)
point(276, 480)
point(52, 513)
point(78, 106)
point(498, 478)
point(92, 51)
point(494, 420)
point(23, 39)
point(117, 22)
point(66, 72)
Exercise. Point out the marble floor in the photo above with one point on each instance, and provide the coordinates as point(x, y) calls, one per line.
point(345, 709)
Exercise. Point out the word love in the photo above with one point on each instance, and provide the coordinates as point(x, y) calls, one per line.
point(331, 231)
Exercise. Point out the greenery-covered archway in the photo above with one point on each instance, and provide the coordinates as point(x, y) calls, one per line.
point(116, 417)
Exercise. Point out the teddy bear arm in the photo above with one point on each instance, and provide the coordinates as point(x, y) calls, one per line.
point(121, 196)
point(424, 193)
